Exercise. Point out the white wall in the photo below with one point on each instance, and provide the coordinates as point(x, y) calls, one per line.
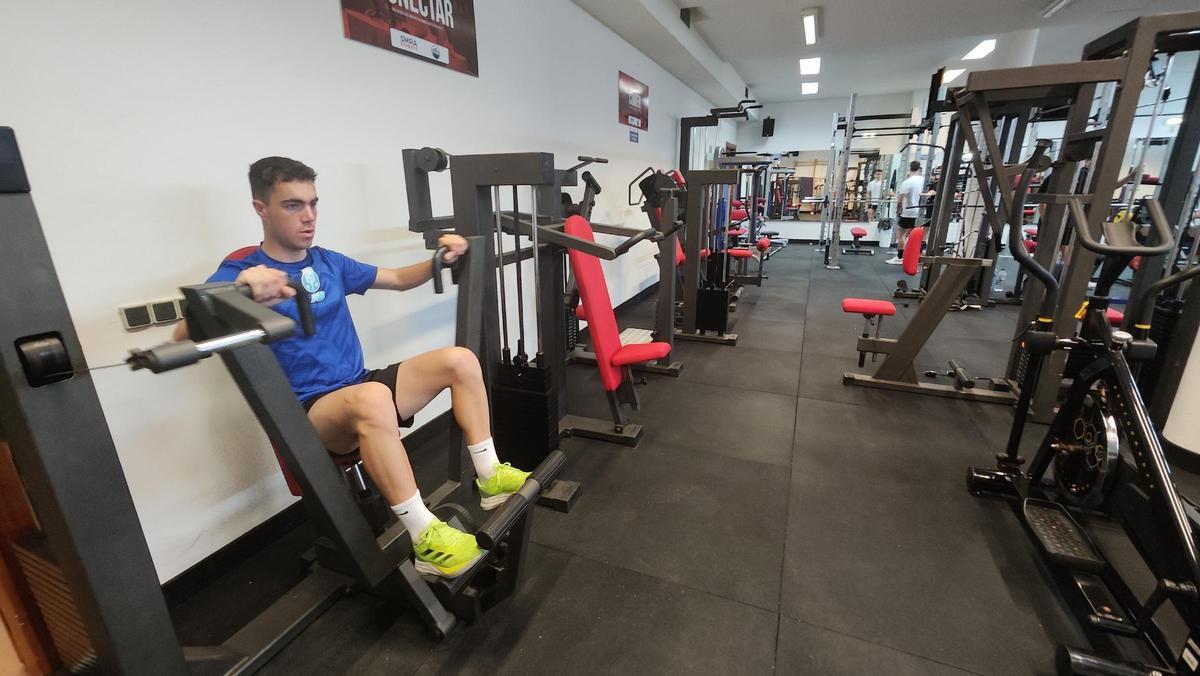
point(138, 119)
point(1183, 425)
point(808, 125)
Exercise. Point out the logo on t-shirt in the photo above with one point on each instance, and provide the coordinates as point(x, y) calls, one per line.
point(312, 284)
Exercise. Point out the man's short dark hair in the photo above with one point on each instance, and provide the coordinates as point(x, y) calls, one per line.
point(914, 166)
point(268, 171)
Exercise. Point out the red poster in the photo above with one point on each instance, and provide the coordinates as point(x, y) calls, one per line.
point(438, 31)
point(633, 102)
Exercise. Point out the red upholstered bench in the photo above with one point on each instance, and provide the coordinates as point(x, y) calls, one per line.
point(1030, 245)
point(740, 253)
point(868, 307)
point(856, 247)
point(736, 232)
point(1031, 232)
point(873, 311)
point(681, 258)
point(1115, 317)
point(612, 358)
point(738, 215)
point(737, 204)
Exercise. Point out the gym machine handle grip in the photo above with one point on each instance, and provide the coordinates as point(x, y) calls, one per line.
point(636, 179)
point(591, 182)
point(497, 526)
point(439, 286)
point(649, 233)
point(1015, 221)
point(1158, 220)
point(304, 307)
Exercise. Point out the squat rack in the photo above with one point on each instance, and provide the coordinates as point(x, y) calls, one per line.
point(1119, 60)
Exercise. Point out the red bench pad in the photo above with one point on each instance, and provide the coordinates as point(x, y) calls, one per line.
point(912, 251)
point(1115, 317)
point(738, 215)
point(740, 253)
point(638, 353)
point(602, 322)
point(858, 232)
point(864, 306)
point(736, 232)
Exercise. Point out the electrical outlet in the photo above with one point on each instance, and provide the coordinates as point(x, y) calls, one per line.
point(135, 317)
point(157, 312)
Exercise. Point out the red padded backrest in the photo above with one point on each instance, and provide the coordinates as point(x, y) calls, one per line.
point(678, 178)
point(912, 251)
point(241, 253)
point(679, 255)
point(593, 292)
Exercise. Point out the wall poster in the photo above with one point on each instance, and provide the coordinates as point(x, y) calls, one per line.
point(440, 31)
point(633, 102)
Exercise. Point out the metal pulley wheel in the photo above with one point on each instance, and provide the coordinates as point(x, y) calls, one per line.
point(1087, 451)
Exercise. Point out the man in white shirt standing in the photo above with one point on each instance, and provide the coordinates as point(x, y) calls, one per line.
point(874, 195)
point(908, 205)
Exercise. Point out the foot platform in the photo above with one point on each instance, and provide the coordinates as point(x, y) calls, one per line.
point(1061, 538)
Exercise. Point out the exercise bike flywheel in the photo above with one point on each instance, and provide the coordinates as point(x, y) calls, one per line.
point(1086, 453)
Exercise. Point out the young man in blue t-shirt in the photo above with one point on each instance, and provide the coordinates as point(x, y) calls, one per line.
point(349, 406)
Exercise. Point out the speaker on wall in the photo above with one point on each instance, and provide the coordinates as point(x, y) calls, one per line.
point(768, 127)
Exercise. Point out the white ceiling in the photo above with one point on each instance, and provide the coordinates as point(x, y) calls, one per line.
point(886, 46)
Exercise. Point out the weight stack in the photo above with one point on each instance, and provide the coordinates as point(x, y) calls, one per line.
point(525, 414)
point(53, 597)
point(572, 329)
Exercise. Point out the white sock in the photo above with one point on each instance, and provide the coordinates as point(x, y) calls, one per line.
point(483, 456)
point(415, 516)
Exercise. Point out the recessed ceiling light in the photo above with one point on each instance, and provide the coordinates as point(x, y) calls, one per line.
point(981, 50)
point(950, 75)
point(1174, 121)
point(809, 18)
point(1055, 7)
point(807, 88)
point(810, 66)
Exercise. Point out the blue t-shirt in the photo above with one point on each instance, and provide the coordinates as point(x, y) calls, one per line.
point(333, 357)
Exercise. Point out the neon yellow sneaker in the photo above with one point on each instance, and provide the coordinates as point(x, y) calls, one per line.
point(445, 551)
point(504, 482)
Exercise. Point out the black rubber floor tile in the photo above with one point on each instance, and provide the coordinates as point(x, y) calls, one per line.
point(358, 635)
point(886, 543)
point(682, 515)
point(743, 367)
point(770, 334)
point(805, 649)
point(575, 615)
point(742, 424)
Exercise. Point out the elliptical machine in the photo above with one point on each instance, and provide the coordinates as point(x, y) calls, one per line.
point(1108, 463)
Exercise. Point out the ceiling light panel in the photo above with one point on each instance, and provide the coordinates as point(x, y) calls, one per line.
point(807, 88)
point(810, 66)
point(809, 20)
point(952, 74)
point(981, 50)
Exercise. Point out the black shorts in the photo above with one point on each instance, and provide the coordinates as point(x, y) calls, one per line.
point(386, 375)
point(907, 223)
